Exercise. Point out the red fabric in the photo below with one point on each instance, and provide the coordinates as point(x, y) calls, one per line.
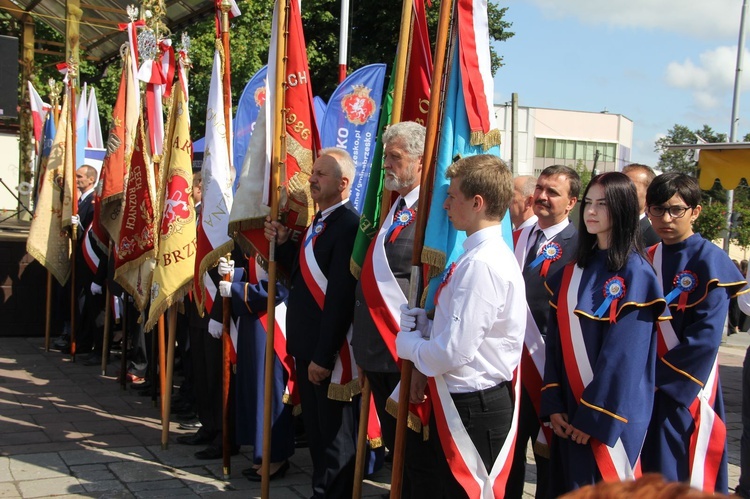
point(419, 80)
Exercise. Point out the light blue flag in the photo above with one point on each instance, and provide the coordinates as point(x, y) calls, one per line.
point(253, 96)
point(443, 244)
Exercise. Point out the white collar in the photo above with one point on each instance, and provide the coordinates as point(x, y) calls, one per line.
point(330, 209)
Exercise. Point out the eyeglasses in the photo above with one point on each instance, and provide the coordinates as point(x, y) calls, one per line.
point(674, 211)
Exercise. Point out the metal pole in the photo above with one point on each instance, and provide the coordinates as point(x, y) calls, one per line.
point(514, 134)
point(735, 114)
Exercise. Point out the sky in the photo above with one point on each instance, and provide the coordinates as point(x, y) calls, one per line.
point(657, 62)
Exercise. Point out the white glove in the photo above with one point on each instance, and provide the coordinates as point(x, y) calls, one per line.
point(75, 220)
point(226, 267)
point(413, 319)
point(96, 289)
point(225, 288)
point(406, 342)
point(215, 329)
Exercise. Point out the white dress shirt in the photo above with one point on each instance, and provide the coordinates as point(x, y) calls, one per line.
point(549, 233)
point(476, 337)
point(528, 222)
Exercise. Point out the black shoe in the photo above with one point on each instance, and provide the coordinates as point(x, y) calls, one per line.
point(190, 425)
point(279, 473)
point(186, 417)
point(215, 452)
point(200, 437)
point(93, 360)
point(61, 342)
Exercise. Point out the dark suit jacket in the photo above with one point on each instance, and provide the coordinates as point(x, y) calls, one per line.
point(648, 234)
point(537, 295)
point(86, 214)
point(370, 350)
point(314, 334)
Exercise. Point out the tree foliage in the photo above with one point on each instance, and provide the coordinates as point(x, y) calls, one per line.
point(711, 222)
point(374, 36)
point(683, 161)
point(740, 230)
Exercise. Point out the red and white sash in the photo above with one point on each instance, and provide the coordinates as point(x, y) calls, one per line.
point(533, 356)
point(382, 292)
point(708, 438)
point(613, 462)
point(89, 255)
point(344, 383)
point(463, 458)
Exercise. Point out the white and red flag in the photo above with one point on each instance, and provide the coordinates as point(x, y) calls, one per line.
point(213, 239)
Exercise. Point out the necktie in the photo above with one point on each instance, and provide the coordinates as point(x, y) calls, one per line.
point(400, 206)
point(317, 218)
point(534, 248)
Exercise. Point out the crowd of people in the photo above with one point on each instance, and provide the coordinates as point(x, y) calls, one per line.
point(594, 341)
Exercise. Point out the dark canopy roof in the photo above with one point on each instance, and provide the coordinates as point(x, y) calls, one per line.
point(100, 37)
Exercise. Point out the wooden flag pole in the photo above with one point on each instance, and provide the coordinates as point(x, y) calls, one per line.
point(226, 6)
point(72, 74)
point(399, 86)
point(428, 172)
point(278, 158)
point(124, 344)
point(107, 327)
point(166, 392)
point(48, 312)
point(364, 416)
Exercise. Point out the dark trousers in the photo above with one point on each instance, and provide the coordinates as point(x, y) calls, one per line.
point(528, 429)
point(90, 327)
point(331, 427)
point(743, 489)
point(207, 378)
point(487, 416)
point(419, 462)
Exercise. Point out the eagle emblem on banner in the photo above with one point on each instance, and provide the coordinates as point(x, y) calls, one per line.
point(358, 105)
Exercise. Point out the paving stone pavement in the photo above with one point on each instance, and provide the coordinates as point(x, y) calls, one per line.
point(68, 431)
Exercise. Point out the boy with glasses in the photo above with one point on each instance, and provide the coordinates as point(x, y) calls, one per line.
point(686, 440)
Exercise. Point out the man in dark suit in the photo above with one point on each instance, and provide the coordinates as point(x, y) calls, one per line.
point(319, 314)
point(381, 291)
point(87, 302)
point(541, 249)
point(642, 176)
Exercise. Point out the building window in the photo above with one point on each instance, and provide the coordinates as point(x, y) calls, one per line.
point(575, 149)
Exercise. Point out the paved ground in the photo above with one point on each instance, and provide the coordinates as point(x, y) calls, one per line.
point(65, 430)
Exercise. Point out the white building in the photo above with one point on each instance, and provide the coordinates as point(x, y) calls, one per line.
point(555, 136)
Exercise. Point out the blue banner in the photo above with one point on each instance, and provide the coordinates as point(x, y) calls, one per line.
point(320, 111)
point(252, 98)
point(351, 123)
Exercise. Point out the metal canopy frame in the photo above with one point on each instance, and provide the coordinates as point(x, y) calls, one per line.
point(100, 37)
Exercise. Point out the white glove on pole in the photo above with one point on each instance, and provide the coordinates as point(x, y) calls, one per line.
point(96, 289)
point(215, 329)
point(226, 267)
point(413, 319)
point(225, 289)
point(75, 220)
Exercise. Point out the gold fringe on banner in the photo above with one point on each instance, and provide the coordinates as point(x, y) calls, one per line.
point(413, 421)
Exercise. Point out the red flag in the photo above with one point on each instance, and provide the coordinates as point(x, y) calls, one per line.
point(419, 80)
point(135, 252)
point(302, 140)
point(111, 181)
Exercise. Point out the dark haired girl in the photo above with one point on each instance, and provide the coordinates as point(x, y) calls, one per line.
point(601, 343)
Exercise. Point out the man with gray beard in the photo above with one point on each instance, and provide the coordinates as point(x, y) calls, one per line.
point(381, 291)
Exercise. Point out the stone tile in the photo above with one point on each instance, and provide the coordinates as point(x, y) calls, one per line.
point(130, 472)
point(50, 486)
point(103, 486)
point(142, 486)
point(8, 490)
point(64, 432)
point(25, 437)
point(13, 450)
point(37, 466)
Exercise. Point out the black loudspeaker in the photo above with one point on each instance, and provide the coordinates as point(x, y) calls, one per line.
point(8, 77)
